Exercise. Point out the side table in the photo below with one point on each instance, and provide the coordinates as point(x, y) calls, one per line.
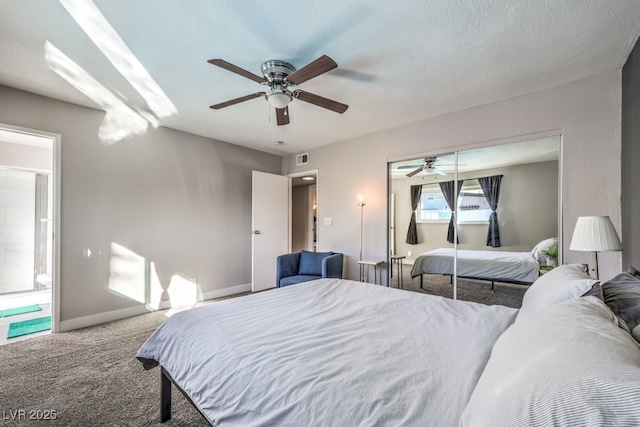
point(397, 259)
point(364, 270)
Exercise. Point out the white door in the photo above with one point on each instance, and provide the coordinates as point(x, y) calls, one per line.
point(269, 227)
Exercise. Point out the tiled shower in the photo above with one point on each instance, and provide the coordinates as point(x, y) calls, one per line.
point(24, 231)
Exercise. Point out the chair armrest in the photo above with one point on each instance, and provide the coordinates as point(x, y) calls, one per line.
point(287, 265)
point(332, 266)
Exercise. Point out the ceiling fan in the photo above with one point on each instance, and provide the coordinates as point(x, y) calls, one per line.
point(279, 76)
point(428, 165)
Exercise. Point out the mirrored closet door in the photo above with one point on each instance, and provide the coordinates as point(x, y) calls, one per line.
point(479, 224)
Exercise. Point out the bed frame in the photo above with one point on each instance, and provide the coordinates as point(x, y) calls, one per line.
point(165, 396)
point(485, 279)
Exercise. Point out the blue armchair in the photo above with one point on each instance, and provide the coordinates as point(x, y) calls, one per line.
point(304, 266)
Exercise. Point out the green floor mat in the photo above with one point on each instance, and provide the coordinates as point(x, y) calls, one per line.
point(31, 326)
point(20, 310)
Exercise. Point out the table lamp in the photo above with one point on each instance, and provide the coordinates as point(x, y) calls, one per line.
point(595, 234)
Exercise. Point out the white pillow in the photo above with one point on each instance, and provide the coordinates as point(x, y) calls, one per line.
point(543, 246)
point(570, 366)
point(560, 284)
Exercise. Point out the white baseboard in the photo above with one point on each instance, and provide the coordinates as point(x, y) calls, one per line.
point(238, 289)
point(110, 316)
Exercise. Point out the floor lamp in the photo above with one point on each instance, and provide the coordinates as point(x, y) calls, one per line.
point(595, 234)
point(361, 204)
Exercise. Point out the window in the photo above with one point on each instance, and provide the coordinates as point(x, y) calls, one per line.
point(472, 205)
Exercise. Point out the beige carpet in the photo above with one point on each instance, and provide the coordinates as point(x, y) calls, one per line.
point(468, 290)
point(89, 377)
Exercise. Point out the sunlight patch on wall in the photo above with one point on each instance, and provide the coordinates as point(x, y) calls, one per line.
point(127, 273)
point(155, 288)
point(183, 294)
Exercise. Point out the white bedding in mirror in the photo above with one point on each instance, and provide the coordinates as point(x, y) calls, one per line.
point(516, 267)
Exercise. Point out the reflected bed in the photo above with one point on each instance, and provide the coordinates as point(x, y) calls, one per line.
point(494, 266)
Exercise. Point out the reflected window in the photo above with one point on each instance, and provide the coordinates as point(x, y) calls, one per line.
point(433, 206)
point(472, 205)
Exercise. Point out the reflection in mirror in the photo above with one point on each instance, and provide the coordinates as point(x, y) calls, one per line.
point(475, 225)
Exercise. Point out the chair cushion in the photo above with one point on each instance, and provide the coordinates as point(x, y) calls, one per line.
point(311, 262)
point(292, 280)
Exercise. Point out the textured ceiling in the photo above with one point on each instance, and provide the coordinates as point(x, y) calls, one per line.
point(398, 61)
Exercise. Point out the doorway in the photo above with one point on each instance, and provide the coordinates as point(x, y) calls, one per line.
point(28, 206)
point(304, 211)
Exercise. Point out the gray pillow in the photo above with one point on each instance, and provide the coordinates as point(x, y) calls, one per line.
point(633, 271)
point(595, 291)
point(622, 296)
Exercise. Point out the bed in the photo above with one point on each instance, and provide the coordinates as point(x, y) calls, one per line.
point(494, 266)
point(335, 352)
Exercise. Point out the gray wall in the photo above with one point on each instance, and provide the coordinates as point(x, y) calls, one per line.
point(180, 201)
point(586, 113)
point(631, 159)
point(527, 211)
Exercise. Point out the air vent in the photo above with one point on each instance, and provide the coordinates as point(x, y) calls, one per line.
point(302, 159)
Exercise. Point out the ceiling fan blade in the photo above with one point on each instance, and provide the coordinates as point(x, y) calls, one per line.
point(236, 101)
point(235, 69)
point(409, 166)
point(314, 69)
point(282, 116)
point(414, 172)
point(439, 172)
point(320, 101)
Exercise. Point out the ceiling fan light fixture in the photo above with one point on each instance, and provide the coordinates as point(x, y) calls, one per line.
point(278, 98)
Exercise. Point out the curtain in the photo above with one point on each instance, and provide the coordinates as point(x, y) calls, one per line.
point(491, 189)
point(450, 195)
point(412, 232)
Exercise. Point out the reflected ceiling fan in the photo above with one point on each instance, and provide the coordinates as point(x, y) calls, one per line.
point(279, 76)
point(428, 165)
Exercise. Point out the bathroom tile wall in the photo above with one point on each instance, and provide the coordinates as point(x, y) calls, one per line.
point(17, 216)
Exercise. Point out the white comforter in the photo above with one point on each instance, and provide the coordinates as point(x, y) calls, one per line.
point(496, 265)
point(330, 352)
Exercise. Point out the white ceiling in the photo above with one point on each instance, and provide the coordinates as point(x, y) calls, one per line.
point(491, 157)
point(398, 61)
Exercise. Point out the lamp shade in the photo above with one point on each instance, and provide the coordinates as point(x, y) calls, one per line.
point(595, 234)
